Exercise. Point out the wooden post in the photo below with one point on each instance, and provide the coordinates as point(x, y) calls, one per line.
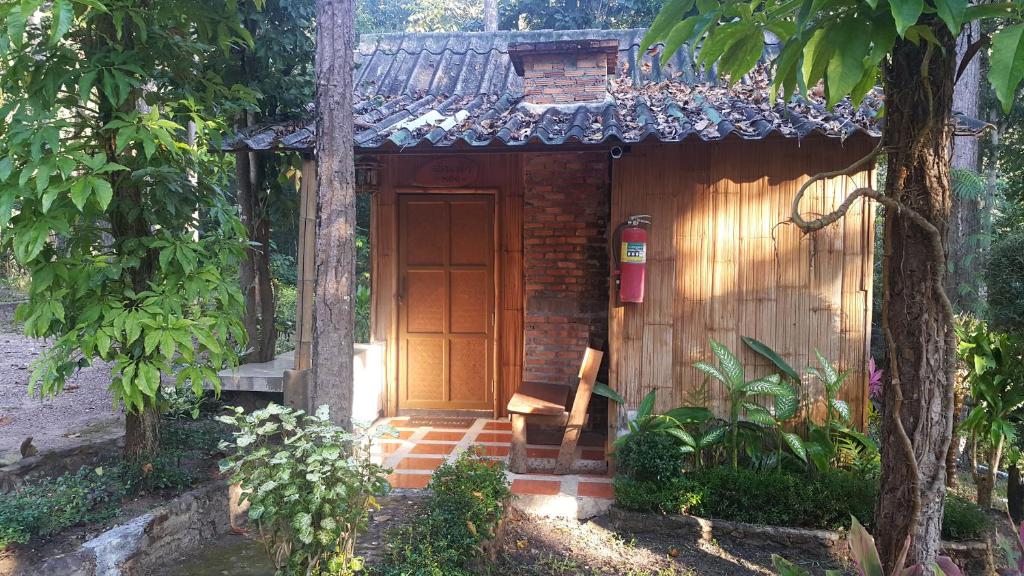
point(517, 459)
point(306, 273)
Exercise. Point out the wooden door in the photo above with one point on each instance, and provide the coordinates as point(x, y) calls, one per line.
point(446, 301)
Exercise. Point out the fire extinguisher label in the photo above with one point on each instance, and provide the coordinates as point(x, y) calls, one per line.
point(634, 252)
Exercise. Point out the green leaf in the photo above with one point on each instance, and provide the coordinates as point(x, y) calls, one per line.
point(795, 444)
point(646, 405)
point(667, 18)
point(1006, 63)
point(682, 435)
point(997, 10)
point(690, 414)
point(786, 568)
point(7, 198)
point(841, 408)
point(863, 550)
point(711, 370)
point(600, 388)
point(6, 167)
point(772, 356)
point(769, 385)
point(952, 13)
point(846, 67)
point(817, 53)
point(63, 14)
point(905, 13)
point(680, 33)
point(730, 364)
point(85, 84)
point(758, 414)
point(744, 54)
point(80, 190)
point(713, 436)
point(786, 406)
point(104, 193)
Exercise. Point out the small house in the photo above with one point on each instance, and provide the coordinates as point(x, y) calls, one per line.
point(502, 167)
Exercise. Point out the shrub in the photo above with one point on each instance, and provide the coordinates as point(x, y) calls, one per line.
point(309, 484)
point(670, 497)
point(463, 511)
point(781, 498)
point(963, 520)
point(649, 456)
point(47, 506)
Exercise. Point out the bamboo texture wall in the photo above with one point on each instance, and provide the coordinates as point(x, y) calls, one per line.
point(723, 263)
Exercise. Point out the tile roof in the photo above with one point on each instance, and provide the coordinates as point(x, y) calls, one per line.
point(461, 90)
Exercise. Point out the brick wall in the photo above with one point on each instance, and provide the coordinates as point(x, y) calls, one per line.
point(565, 263)
point(565, 78)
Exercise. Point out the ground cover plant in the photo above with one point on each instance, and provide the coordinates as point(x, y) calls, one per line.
point(464, 510)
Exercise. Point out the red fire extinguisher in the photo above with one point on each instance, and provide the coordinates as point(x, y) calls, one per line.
point(631, 258)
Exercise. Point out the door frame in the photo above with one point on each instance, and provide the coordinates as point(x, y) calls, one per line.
point(394, 387)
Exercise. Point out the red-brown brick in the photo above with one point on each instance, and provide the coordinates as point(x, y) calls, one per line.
point(565, 78)
point(565, 261)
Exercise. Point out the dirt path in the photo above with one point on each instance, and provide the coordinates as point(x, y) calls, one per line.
point(51, 422)
point(545, 547)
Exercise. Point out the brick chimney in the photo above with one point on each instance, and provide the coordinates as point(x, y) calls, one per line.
point(565, 71)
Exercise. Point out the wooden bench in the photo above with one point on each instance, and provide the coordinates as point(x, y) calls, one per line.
point(545, 404)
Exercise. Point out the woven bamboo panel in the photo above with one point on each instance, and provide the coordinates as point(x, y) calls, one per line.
point(724, 263)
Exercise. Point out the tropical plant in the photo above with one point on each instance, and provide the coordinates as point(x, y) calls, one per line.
point(865, 555)
point(742, 395)
point(109, 196)
point(992, 362)
point(834, 443)
point(309, 483)
point(833, 49)
point(691, 428)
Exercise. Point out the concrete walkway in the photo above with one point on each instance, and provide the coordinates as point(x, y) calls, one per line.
point(419, 450)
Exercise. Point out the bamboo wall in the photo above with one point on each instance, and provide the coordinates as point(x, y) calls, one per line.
point(722, 263)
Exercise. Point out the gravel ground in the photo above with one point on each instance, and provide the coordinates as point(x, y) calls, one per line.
point(84, 412)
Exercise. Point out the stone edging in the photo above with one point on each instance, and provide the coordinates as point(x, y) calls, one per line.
point(59, 461)
point(975, 558)
point(147, 541)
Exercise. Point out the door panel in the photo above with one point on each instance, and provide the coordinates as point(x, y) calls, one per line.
point(446, 301)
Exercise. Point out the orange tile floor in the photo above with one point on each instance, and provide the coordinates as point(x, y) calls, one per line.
point(417, 451)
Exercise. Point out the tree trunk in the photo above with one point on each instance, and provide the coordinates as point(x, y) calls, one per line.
point(334, 299)
point(490, 15)
point(986, 482)
point(916, 316)
point(142, 432)
point(1015, 494)
point(966, 222)
point(247, 268)
point(953, 454)
point(264, 285)
point(963, 281)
